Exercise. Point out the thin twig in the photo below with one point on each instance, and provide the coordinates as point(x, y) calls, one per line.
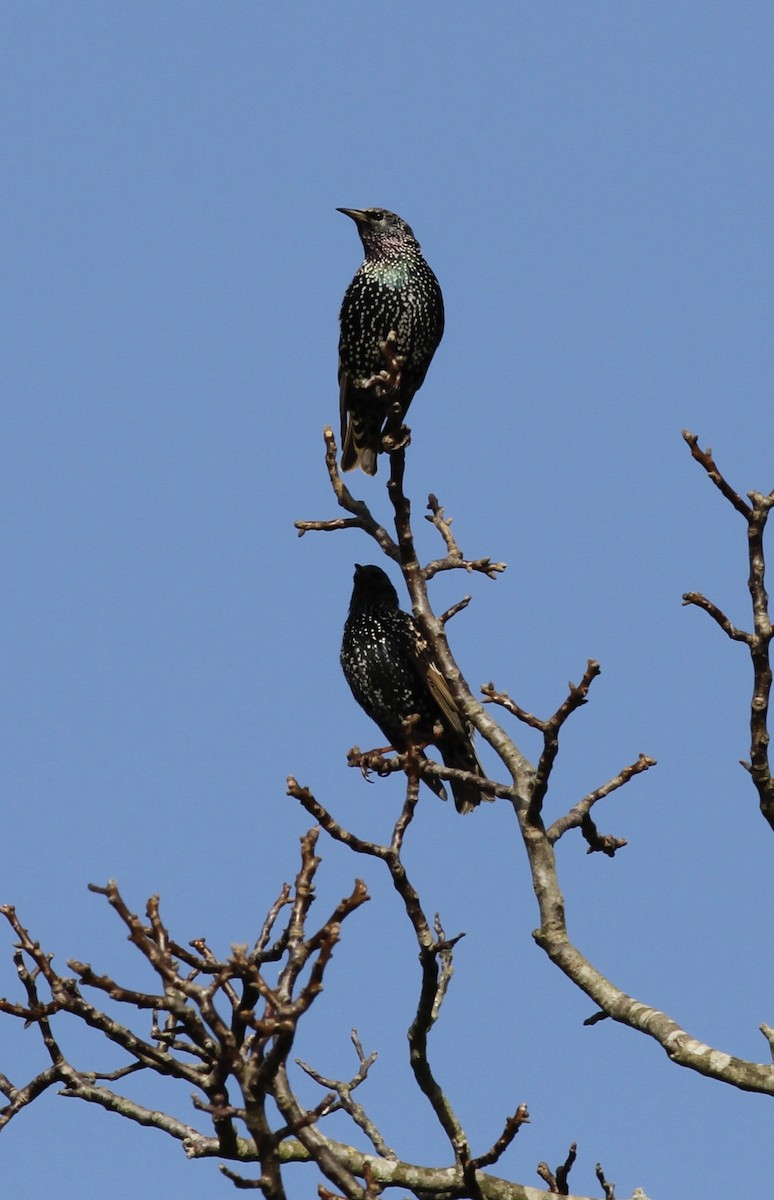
point(576, 696)
point(705, 460)
point(454, 560)
point(736, 635)
point(579, 813)
point(455, 608)
point(607, 1187)
point(361, 514)
point(756, 515)
point(493, 696)
point(511, 1128)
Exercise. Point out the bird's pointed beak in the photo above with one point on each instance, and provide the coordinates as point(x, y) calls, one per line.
point(358, 215)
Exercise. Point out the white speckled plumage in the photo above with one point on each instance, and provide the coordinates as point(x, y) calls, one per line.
point(394, 290)
point(390, 670)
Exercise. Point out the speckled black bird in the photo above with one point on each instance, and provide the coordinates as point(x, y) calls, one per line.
point(394, 291)
point(390, 669)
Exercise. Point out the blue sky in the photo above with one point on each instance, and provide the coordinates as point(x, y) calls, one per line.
point(592, 185)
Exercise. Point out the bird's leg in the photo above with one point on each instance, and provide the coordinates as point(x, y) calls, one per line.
point(365, 770)
point(374, 760)
point(371, 760)
point(390, 378)
point(393, 360)
point(396, 435)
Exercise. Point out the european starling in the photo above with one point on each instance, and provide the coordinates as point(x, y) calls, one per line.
point(391, 324)
point(390, 669)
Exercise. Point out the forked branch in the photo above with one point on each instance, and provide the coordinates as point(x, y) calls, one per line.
point(530, 790)
point(758, 641)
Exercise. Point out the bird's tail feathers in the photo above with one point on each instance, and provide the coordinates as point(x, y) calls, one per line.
point(462, 757)
point(359, 450)
point(362, 417)
point(433, 782)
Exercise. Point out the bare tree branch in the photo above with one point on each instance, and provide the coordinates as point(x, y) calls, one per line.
point(607, 1187)
point(557, 1180)
point(756, 515)
point(226, 1026)
point(344, 1092)
point(576, 696)
point(529, 794)
point(454, 559)
point(576, 816)
point(704, 459)
point(512, 1127)
point(435, 951)
point(736, 635)
point(361, 514)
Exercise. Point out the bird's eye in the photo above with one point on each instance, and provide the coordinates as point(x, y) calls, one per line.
point(377, 214)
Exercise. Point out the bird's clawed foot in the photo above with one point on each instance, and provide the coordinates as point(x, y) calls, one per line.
point(389, 379)
point(370, 760)
point(395, 437)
